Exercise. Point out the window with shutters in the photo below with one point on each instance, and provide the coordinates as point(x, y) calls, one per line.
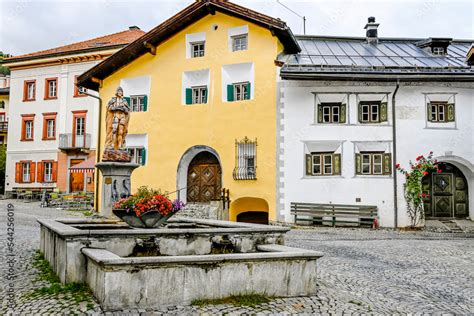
point(197, 49)
point(29, 90)
point(441, 112)
point(241, 91)
point(138, 103)
point(373, 163)
point(51, 88)
point(138, 155)
point(330, 112)
point(323, 164)
point(245, 159)
point(372, 112)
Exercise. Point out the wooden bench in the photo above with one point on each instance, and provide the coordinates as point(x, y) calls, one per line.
point(334, 213)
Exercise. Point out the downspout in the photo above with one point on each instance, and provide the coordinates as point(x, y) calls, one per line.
point(97, 155)
point(394, 159)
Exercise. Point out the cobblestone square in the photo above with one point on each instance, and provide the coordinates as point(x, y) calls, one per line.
point(363, 272)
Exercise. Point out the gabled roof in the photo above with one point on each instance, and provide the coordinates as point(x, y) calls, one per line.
point(351, 58)
point(178, 22)
point(115, 40)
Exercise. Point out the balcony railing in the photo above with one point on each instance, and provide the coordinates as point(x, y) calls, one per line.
point(71, 141)
point(3, 126)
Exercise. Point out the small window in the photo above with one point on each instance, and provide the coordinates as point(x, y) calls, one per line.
point(138, 155)
point(2, 104)
point(441, 112)
point(28, 129)
point(199, 95)
point(372, 112)
point(332, 113)
point(51, 86)
point(245, 160)
point(241, 91)
point(138, 103)
point(322, 164)
point(51, 128)
point(25, 171)
point(29, 92)
point(439, 50)
point(197, 49)
point(239, 42)
point(77, 91)
point(48, 171)
point(372, 163)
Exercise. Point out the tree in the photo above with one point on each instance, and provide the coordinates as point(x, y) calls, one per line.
point(3, 69)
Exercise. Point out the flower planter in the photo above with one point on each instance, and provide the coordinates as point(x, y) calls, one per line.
point(150, 219)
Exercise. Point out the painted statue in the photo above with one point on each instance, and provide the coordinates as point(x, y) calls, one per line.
point(116, 126)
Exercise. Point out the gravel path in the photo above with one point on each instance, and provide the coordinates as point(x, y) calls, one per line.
point(363, 272)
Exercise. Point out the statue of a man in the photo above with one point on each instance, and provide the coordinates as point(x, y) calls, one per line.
point(116, 122)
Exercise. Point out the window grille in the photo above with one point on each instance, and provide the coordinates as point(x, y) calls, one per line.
point(245, 160)
point(197, 49)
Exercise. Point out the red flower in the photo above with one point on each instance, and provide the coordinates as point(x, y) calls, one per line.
point(439, 170)
point(425, 173)
point(397, 166)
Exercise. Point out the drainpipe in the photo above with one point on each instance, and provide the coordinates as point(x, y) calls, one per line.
point(97, 155)
point(394, 159)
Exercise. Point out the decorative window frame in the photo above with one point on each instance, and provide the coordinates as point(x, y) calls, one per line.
point(195, 39)
point(331, 100)
point(27, 118)
point(25, 90)
point(245, 159)
point(323, 150)
point(46, 88)
point(448, 99)
point(372, 148)
point(49, 116)
point(75, 115)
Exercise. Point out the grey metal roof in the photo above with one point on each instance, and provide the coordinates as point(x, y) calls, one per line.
point(391, 56)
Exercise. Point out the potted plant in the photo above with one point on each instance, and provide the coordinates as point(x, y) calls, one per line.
point(147, 208)
point(414, 194)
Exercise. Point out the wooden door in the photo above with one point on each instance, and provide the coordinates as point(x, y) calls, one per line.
point(204, 183)
point(76, 180)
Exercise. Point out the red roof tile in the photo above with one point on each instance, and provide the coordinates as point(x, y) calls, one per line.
point(120, 38)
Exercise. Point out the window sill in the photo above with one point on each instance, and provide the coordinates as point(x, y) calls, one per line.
point(55, 98)
point(80, 95)
point(441, 128)
point(27, 140)
point(373, 176)
point(29, 100)
point(195, 104)
point(48, 138)
point(323, 176)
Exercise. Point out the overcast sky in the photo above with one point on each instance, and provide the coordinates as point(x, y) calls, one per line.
point(32, 25)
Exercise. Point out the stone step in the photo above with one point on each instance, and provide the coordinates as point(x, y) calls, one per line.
point(452, 226)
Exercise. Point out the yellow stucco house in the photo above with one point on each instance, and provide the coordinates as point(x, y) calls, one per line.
point(203, 86)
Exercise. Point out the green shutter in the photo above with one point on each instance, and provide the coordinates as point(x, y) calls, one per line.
point(128, 101)
point(360, 112)
point(430, 113)
point(309, 165)
point(358, 163)
point(320, 113)
point(143, 156)
point(336, 158)
point(230, 92)
point(383, 112)
point(189, 96)
point(145, 103)
point(342, 118)
point(206, 94)
point(247, 93)
point(450, 112)
point(387, 164)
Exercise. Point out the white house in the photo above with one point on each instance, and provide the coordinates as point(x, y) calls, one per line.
point(53, 126)
point(351, 108)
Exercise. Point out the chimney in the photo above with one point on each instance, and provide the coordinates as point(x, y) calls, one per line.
point(133, 27)
point(371, 28)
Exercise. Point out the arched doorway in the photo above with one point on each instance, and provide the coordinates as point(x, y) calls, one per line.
point(448, 193)
point(204, 178)
point(249, 210)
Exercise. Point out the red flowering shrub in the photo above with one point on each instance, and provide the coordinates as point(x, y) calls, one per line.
point(414, 194)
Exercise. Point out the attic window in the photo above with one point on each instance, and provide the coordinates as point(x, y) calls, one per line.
point(99, 44)
point(437, 50)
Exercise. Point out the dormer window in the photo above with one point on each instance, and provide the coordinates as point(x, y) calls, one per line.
point(439, 51)
point(197, 49)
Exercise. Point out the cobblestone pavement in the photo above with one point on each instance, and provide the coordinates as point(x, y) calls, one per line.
point(363, 272)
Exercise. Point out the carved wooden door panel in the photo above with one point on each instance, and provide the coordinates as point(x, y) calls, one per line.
point(204, 183)
point(443, 195)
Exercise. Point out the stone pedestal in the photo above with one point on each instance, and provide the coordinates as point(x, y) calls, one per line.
point(116, 183)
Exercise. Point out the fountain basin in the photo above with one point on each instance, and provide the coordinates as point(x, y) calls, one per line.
point(147, 282)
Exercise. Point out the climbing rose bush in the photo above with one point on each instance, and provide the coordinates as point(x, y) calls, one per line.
point(414, 194)
point(149, 200)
